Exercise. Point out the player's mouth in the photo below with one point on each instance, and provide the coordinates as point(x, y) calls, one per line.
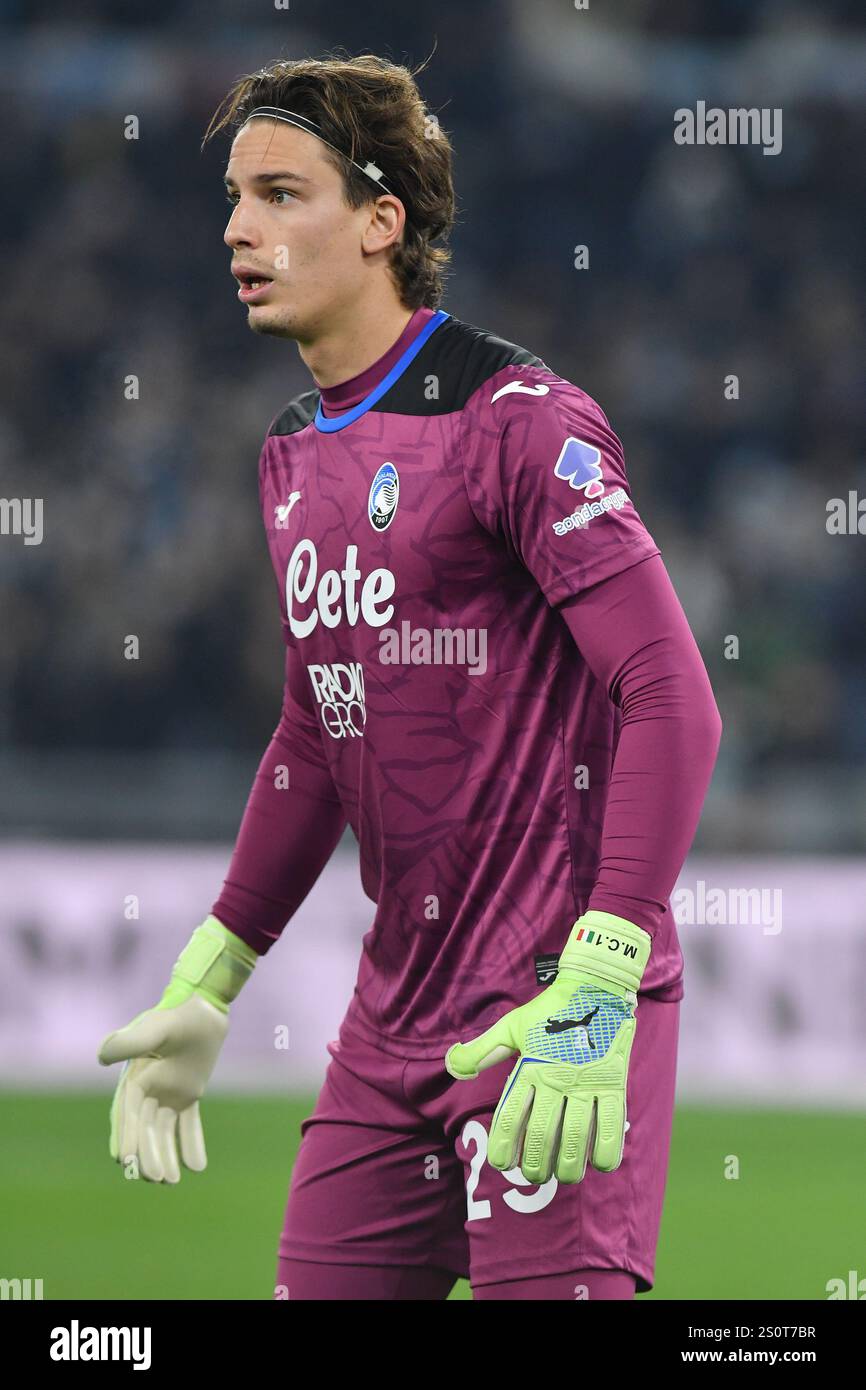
point(253, 284)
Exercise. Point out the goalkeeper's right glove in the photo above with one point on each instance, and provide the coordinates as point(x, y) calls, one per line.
point(170, 1052)
point(565, 1101)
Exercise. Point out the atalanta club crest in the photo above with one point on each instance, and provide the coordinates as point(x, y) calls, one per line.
point(384, 494)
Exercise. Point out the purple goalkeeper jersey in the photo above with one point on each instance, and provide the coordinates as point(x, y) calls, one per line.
point(422, 539)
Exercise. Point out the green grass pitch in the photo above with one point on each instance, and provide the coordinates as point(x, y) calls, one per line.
point(792, 1220)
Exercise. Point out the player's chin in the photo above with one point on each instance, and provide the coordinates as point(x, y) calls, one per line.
point(265, 319)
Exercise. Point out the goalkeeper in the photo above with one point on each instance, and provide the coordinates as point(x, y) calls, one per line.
point(499, 1101)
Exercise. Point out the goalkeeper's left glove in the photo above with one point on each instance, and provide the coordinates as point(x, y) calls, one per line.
point(567, 1092)
point(170, 1052)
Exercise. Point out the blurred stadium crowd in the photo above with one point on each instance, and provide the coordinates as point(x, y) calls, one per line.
point(702, 262)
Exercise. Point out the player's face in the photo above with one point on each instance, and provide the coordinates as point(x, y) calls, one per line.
point(291, 224)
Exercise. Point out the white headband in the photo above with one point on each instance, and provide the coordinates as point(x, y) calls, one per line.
point(276, 113)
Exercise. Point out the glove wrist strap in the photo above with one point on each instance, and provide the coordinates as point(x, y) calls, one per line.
point(609, 947)
point(215, 964)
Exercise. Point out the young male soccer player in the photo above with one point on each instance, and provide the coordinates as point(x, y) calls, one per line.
point(489, 677)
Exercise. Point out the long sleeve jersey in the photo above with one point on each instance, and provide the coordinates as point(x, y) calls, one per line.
point(488, 676)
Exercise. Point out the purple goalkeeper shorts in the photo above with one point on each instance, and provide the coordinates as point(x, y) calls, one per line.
point(392, 1170)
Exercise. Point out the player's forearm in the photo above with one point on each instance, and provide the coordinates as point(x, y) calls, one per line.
point(661, 771)
point(635, 637)
point(289, 829)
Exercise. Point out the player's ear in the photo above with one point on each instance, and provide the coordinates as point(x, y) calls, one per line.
point(387, 218)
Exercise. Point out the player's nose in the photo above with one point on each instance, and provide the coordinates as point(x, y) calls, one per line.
point(241, 229)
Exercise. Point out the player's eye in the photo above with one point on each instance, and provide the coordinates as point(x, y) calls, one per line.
point(232, 198)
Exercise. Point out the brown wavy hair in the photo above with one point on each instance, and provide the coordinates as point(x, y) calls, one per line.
point(370, 109)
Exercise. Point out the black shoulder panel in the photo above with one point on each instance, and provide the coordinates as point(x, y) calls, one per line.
point(460, 358)
point(296, 415)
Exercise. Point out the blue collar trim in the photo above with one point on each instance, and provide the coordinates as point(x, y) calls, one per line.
point(329, 424)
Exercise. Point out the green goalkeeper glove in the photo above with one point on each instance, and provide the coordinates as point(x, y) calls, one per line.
point(170, 1052)
point(565, 1098)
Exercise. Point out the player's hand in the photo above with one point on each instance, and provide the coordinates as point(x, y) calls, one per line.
point(564, 1103)
point(170, 1052)
point(169, 1056)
